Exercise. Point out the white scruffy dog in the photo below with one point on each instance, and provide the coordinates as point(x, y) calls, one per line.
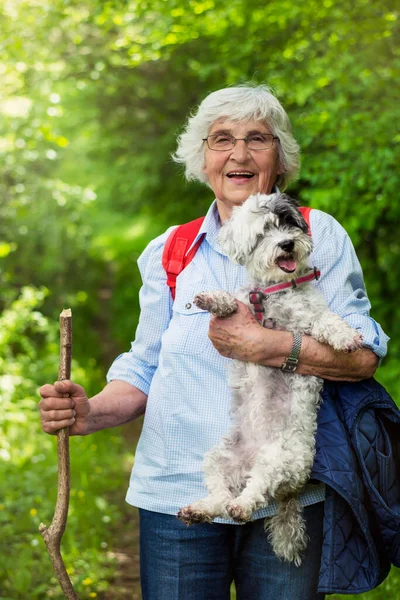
point(270, 449)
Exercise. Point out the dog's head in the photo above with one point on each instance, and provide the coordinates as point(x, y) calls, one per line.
point(268, 235)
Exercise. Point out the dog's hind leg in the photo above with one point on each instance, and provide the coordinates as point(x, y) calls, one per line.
point(286, 461)
point(265, 477)
point(214, 505)
point(287, 530)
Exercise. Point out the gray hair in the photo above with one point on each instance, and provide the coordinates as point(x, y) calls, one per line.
point(241, 103)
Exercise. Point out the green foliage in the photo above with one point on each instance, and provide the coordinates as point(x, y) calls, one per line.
point(28, 468)
point(93, 119)
point(93, 95)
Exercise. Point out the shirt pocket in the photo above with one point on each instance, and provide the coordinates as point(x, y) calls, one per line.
point(188, 329)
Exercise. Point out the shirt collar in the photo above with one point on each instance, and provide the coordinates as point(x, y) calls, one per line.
point(209, 228)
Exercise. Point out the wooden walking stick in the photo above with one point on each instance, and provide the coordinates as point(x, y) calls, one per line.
point(52, 535)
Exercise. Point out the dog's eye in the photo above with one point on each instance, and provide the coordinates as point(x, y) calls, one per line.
point(273, 221)
point(292, 223)
point(299, 224)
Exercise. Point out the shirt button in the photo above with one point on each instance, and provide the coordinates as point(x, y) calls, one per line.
point(188, 305)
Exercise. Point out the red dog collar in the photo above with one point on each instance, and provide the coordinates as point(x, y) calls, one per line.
point(257, 295)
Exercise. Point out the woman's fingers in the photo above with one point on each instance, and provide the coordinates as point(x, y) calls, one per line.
point(53, 426)
point(64, 404)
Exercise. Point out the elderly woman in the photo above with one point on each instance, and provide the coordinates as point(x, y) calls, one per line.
point(239, 142)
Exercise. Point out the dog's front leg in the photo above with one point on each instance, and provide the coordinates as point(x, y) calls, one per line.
point(218, 303)
point(331, 329)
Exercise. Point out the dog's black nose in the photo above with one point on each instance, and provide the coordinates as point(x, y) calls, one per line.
point(287, 245)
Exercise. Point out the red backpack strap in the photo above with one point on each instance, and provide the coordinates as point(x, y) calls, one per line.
point(305, 211)
point(174, 258)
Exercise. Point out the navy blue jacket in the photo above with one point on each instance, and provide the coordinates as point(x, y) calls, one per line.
point(358, 457)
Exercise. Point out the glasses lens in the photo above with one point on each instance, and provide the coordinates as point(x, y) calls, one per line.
point(220, 142)
point(260, 141)
point(255, 141)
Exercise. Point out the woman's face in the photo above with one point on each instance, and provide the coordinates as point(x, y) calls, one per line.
point(237, 173)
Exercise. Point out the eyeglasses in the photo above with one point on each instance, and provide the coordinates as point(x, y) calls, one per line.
point(254, 141)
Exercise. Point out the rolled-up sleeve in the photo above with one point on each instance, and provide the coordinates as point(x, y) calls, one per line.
point(137, 366)
point(342, 282)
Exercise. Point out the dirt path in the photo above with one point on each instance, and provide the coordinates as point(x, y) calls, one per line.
point(126, 583)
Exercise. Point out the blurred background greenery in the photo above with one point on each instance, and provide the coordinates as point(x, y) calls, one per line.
point(92, 96)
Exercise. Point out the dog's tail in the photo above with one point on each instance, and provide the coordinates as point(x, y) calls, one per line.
point(287, 530)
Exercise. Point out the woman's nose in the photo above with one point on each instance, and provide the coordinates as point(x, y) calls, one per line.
point(240, 151)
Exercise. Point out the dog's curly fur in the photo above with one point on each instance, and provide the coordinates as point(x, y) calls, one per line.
point(271, 446)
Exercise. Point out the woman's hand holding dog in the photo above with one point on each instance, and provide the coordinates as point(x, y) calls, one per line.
point(241, 337)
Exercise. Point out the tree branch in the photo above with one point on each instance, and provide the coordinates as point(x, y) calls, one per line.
point(52, 535)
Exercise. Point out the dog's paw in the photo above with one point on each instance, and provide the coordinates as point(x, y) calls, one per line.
point(355, 343)
point(218, 303)
point(348, 343)
point(238, 512)
point(191, 515)
point(331, 329)
point(204, 300)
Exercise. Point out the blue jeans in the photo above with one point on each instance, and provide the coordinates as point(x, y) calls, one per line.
point(200, 562)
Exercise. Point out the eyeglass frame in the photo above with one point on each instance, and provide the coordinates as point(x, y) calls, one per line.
point(234, 140)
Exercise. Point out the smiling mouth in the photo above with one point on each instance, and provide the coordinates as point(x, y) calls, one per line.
point(287, 264)
point(240, 175)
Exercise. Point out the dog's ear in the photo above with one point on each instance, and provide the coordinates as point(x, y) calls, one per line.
point(287, 210)
point(239, 235)
point(227, 241)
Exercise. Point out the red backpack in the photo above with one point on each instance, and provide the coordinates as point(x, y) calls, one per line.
point(175, 259)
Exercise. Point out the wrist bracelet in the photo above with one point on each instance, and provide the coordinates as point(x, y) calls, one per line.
point(290, 363)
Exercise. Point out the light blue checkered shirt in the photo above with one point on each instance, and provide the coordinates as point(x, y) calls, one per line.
point(173, 361)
